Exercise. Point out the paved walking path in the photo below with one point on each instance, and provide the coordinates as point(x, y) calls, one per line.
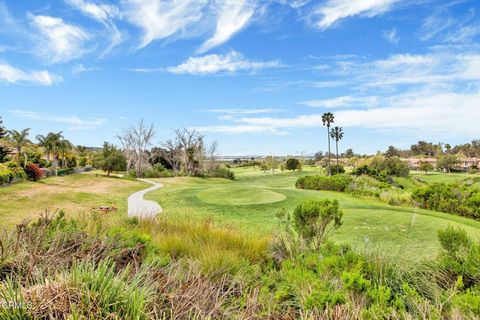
point(139, 207)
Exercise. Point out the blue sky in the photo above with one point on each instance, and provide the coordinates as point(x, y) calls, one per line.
point(256, 75)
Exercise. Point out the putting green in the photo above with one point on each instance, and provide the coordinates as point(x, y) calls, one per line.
point(239, 196)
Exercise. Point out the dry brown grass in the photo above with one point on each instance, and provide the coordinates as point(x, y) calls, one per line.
point(76, 194)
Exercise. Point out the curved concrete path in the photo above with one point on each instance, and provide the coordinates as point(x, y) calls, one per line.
point(139, 207)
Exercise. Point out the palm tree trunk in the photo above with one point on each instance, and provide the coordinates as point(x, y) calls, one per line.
point(328, 163)
point(337, 154)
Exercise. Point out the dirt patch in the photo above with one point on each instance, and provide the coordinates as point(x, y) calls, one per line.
point(61, 186)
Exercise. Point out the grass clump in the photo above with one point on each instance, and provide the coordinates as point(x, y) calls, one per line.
point(184, 268)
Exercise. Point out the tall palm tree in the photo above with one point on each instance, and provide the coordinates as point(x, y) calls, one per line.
point(64, 147)
point(19, 139)
point(337, 135)
point(52, 144)
point(328, 119)
point(44, 143)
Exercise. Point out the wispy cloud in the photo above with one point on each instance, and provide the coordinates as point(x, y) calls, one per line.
point(442, 26)
point(215, 63)
point(342, 102)
point(403, 113)
point(406, 69)
point(73, 122)
point(59, 41)
point(391, 36)
point(232, 16)
point(81, 68)
point(10, 74)
point(435, 23)
point(465, 34)
point(331, 11)
point(163, 19)
point(244, 111)
point(104, 14)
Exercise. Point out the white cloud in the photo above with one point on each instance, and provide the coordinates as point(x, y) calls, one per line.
point(59, 41)
point(441, 114)
point(391, 35)
point(342, 102)
point(213, 63)
point(435, 24)
point(162, 19)
point(11, 74)
point(74, 122)
point(104, 14)
point(100, 12)
point(463, 34)
point(244, 111)
point(81, 68)
point(232, 16)
point(405, 69)
point(334, 10)
point(240, 129)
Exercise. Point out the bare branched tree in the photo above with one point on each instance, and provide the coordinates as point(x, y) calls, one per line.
point(135, 141)
point(191, 144)
point(173, 154)
point(212, 153)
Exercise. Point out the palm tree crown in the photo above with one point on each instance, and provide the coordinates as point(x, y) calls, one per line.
point(328, 118)
point(336, 133)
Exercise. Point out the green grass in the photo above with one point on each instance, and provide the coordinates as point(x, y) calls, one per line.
point(439, 177)
point(368, 224)
point(76, 194)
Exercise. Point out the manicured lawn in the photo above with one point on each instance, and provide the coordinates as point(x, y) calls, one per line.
point(76, 194)
point(253, 198)
point(439, 177)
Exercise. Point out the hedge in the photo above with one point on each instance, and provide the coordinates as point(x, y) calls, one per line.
point(334, 183)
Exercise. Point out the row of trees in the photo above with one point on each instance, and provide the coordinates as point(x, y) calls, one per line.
point(185, 153)
point(435, 150)
point(47, 151)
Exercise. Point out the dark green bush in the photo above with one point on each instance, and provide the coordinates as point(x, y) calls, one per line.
point(460, 199)
point(222, 172)
point(335, 183)
point(64, 172)
point(337, 169)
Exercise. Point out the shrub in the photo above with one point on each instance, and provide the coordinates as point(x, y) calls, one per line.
point(337, 169)
point(457, 199)
point(11, 172)
point(460, 256)
point(221, 172)
point(33, 172)
point(335, 183)
point(314, 219)
point(292, 164)
point(378, 166)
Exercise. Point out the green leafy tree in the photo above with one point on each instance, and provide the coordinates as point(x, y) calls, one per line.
point(349, 153)
point(426, 166)
point(292, 164)
point(392, 152)
point(337, 135)
point(112, 159)
point(447, 162)
point(3, 146)
point(327, 119)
